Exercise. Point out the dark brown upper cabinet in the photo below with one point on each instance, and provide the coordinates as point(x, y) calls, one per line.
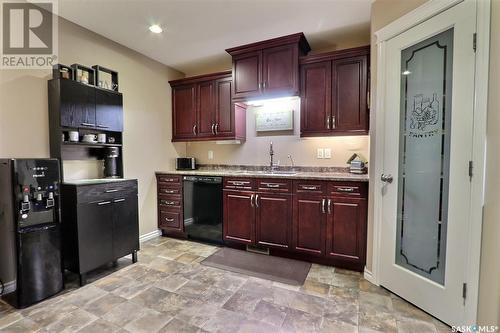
point(202, 109)
point(269, 68)
point(334, 93)
point(184, 112)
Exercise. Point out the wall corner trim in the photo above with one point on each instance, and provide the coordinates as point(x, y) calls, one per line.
point(150, 235)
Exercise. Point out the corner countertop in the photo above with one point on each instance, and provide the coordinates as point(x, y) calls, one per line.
point(312, 175)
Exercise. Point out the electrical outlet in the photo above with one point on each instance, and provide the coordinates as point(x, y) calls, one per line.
point(210, 154)
point(321, 153)
point(328, 153)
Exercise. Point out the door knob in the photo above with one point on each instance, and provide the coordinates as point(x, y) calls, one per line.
point(386, 178)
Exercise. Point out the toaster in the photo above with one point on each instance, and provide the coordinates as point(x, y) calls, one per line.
point(185, 163)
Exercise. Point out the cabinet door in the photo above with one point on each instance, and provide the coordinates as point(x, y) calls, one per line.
point(184, 112)
point(77, 105)
point(109, 110)
point(316, 96)
point(125, 226)
point(273, 219)
point(280, 70)
point(247, 74)
point(346, 229)
point(349, 97)
point(95, 234)
point(239, 217)
point(224, 123)
point(206, 109)
point(309, 218)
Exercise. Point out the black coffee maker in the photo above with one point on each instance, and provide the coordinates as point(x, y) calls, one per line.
point(111, 162)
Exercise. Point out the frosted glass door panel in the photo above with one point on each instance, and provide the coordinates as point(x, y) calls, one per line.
point(426, 76)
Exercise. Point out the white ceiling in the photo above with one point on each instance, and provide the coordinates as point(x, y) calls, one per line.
point(196, 32)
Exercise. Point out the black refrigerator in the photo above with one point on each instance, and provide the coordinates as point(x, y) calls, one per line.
point(30, 235)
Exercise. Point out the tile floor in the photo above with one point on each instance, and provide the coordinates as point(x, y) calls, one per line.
point(169, 291)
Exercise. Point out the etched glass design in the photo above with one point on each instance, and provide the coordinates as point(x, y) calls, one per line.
point(424, 156)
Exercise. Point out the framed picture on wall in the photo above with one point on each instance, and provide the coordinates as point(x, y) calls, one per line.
point(273, 120)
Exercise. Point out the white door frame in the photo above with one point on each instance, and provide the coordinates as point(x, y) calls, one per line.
point(413, 18)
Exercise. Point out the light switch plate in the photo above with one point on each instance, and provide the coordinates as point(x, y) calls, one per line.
point(328, 153)
point(321, 153)
point(210, 154)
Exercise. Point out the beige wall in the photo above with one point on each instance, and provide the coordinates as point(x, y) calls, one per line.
point(386, 11)
point(489, 285)
point(147, 111)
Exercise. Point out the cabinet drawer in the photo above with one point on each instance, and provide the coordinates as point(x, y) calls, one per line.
point(349, 189)
point(169, 179)
point(309, 186)
point(274, 185)
point(169, 219)
point(100, 192)
point(166, 201)
point(173, 190)
point(239, 183)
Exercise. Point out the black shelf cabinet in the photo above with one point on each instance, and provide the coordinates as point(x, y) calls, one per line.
point(109, 110)
point(75, 106)
point(100, 224)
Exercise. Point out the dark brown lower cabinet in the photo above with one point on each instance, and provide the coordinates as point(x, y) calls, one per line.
point(319, 221)
point(273, 216)
point(239, 216)
point(309, 224)
point(346, 229)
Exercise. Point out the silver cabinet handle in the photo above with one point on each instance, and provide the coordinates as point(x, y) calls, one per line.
point(251, 200)
point(119, 200)
point(345, 189)
point(103, 203)
point(168, 203)
point(257, 201)
point(216, 128)
point(102, 126)
point(323, 206)
point(333, 122)
point(260, 85)
point(87, 124)
point(194, 129)
point(111, 191)
point(169, 219)
point(309, 187)
point(169, 191)
point(386, 178)
point(213, 129)
point(328, 122)
point(239, 183)
point(168, 179)
point(273, 185)
point(264, 84)
point(329, 206)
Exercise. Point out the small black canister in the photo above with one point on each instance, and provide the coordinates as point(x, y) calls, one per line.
point(111, 162)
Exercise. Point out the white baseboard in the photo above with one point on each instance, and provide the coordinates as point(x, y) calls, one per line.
point(369, 276)
point(150, 235)
point(9, 287)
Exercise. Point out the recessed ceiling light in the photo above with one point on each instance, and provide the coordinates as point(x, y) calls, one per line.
point(155, 28)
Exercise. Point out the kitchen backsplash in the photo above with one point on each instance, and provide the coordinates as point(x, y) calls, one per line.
point(255, 151)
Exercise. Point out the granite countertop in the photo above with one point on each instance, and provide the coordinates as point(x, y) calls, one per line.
point(95, 181)
point(339, 174)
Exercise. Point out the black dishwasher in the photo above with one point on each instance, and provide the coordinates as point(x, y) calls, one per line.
point(203, 208)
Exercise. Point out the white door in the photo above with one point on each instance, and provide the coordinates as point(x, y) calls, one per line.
point(428, 145)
